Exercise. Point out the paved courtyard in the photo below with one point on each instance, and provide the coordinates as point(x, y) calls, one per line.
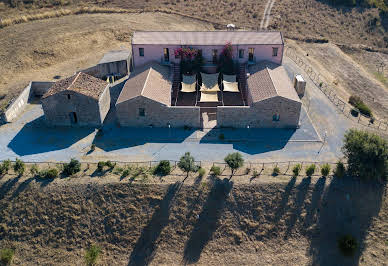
point(29, 139)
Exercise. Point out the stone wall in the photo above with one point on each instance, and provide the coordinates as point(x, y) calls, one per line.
point(156, 114)
point(90, 112)
point(260, 114)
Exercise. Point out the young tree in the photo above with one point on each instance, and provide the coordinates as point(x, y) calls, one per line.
point(187, 164)
point(367, 154)
point(234, 161)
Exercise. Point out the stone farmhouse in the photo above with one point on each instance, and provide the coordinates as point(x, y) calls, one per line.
point(180, 79)
point(78, 100)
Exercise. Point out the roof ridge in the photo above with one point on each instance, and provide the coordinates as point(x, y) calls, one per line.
point(146, 81)
point(270, 76)
point(79, 73)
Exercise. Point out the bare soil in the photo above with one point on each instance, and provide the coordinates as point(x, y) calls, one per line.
point(208, 221)
point(56, 48)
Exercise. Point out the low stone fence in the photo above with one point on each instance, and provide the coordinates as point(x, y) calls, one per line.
point(16, 107)
point(378, 126)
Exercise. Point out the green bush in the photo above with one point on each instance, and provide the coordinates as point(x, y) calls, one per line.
point(296, 169)
point(5, 166)
point(215, 170)
point(110, 165)
point(325, 169)
point(187, 164)
point(310, 170)
point(340, 169)
point(6, 256)
point(234, 161)
point(19, 167)
point(126, 172)
point(100, 166)
point(72, 168)
point(50, 173)
point(348, 245)
point(163, 168)
point(276, 171)
point(201, 172)
point(360, 105)
point(92, 254)
point(34, 170)
point(367, 154)
point(255, 173)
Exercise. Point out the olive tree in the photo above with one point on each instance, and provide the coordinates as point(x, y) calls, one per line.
point(234, 161)
point(367, 154)
point(187, 164)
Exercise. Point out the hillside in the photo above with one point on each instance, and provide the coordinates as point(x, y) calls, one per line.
point(293, 221)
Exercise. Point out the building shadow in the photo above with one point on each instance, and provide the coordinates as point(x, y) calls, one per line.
point(115, 138)
point(35, 137)
point(348, 207)
point(208, 221)
point(301, 191)
point(145, 247)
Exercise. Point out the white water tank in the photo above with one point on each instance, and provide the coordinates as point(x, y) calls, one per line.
point(299, 85)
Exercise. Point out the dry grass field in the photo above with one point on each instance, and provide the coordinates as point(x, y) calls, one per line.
point(41, 50)
point(263, 221)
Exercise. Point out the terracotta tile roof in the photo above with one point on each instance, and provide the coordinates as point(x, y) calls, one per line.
point(81, 83)
point(207, 37)
point(151, 81)
point(268, 80)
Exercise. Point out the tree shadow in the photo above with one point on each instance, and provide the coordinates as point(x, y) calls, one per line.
point(301, 191)
point(145, 247)
point(7, 186)
point(22, 186)
point(208, 220)
point(313, 209)
point(348, 207)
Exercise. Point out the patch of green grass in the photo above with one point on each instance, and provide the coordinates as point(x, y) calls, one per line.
point(6, 256)
point(92, 254)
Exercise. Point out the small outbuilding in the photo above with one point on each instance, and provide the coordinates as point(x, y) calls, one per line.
point(78, 100)
point(114, 65)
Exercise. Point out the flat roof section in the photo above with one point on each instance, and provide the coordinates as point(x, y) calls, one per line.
point(208, 37)
point(115, 56)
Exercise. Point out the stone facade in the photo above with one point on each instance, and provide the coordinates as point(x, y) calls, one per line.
point(156, 114)
point(261, 114)
point(59, 108)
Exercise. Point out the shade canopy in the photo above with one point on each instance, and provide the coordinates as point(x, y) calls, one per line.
point(209, 82)
point(188, 79)
point(188, 87)
point(230, 86)
point(211, 96)
point(229, 78)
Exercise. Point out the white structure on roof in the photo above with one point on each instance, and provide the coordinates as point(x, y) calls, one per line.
point(299, 85)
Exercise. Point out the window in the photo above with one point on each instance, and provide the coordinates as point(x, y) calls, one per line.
point(275, 51)
point(214, 54)
point(68, 96)
point(166, 55)
point(251, 52)
point(141, 112)
point(141, 51)
point(241, 53)
point(276, 117)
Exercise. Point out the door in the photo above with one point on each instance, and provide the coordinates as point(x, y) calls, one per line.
point(251, 54)
point(166, 55)
point(73, 118)
point(214, 56)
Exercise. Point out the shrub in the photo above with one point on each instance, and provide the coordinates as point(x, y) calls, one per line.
point(340, 169)
point(100, 166)
point(366, 153)
point(347, 245)
point(110, 164)
point(247, 170)
point(276, 171)
point(34, 169)
point(310, 170)
point(360, 105)
point(93, 147)
point(296, 169)
point(201, 172)
point(126, 172)
point(215, 170)
point(255, 173)
point(163, 168)
point(19, 167)
point(50, 173)
point(92, 254)
point(234, 161)
point(325, 169)
point(72, 168)
point(5, 166)
point(186, 164)
point(6, 256)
